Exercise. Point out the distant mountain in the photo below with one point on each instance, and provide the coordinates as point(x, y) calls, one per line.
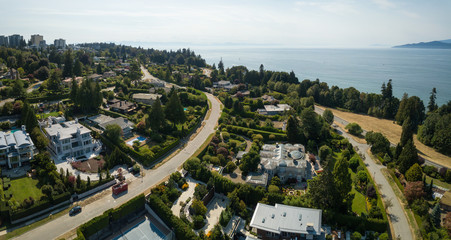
point(446, 41)
point(433, 44)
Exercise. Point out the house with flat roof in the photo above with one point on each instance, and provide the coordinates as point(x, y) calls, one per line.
point(274, 109)
point(146, 98)
point(102, 121)
point(70, 140)
point(287, 222)
point(16, 148)
point(226, 85)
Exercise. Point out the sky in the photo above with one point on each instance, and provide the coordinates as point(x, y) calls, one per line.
point(282, 23)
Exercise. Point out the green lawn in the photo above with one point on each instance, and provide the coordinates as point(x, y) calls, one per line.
point(358, 203)
point(50, 114)
point(25, 187)
point(437, 182)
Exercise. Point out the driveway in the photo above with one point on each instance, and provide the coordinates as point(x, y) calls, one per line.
point(396, 212)
point(185, 195)
point(63, 224)
point(214, 209)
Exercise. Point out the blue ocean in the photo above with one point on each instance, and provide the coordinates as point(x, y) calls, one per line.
point(413, 71)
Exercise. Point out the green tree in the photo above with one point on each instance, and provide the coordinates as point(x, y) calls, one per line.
point(354, 129)
point(78, 68)
point(68, 64)
point(156, 116)
point(28, 117)
point(293, 134)
point(135, 71)
point(407, 131)
point(99, 69)
point(379, 143)
point(414, 173)
point(174, 109)
point(74, 91)
point(435, 214)
point(328, 116)
point(411, 107)
point(408, 157)
point(54, 82)
point(324, 151)
point(221, 67)
point(432, 106)
point(322, 192)
point(18, 89)
point(114, 133)
point(198, 207)
point(42, 73)
point(311, 126)
point(343, 183)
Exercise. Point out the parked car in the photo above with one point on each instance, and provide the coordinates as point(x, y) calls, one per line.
point(75, 210)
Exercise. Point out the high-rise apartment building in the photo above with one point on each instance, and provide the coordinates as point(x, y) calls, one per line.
point(60, 43)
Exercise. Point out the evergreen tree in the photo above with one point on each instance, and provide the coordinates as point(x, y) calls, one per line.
point(343, 183)
point(68, 64)
point(78, 68)
point(328, 116)
point(414, 174)
point(408, 157)
point(293, 133)
point(311, 127)
point(322, 192)
point(435, 214)
point(221, 67)
point(54, 81)
point(74, 91)
point(28, 117)
point(407, 132)
point(432, 106)
point(156, 116)
point(174, 109)
point(18, 89)
point(89, 182)
point(99, 69)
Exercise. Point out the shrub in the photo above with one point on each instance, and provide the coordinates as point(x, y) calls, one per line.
point(354, 129)
point(354, 163)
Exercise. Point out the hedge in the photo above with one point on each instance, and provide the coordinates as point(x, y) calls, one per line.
point(244, 131)
point(354, 222)
point(38, 206)
point(94, 225)
point(112, 114)
point(100, 222)
point(134, 205)
point(180, 228)
point(48, 98)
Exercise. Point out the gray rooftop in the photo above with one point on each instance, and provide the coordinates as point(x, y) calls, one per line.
point(283, 218)
point(149, 96)
point(19, 138)
point(66, 129)
point(100, 118)
point(122, 122)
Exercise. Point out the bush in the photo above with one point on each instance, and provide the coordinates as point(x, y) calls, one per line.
point(185, 186)
point(354, 129)
point(354, 163)
point(198, 222)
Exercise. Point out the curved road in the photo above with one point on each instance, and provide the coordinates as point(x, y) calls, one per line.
point(396, 213)
point(65, 223)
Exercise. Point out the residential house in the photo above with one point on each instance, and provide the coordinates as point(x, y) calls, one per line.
point(226, 85)
point(274, 109)
point(146, 98)
point(16, 148)
point(103, 121)
point(287, 222)
point(95, 77)
point(445, 201)
point(68, 81)
point(268, 98)
point(70, 140)
point(287, 161)
point(122, 107)
point(109, 74)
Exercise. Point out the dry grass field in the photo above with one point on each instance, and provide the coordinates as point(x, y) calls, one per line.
point(392, 132)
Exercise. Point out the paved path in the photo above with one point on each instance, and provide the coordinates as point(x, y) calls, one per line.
point(184, 196)
point(65, 223)
point(396, 212)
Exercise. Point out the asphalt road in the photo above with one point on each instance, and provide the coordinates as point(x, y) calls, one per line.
point(65, 223)
point(395, 213)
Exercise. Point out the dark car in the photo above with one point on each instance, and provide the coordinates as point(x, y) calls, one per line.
point(75, 210)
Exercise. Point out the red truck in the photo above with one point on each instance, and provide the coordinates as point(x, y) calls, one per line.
point(120, 187)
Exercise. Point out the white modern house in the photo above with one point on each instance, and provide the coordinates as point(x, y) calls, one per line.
point(274, 109)
point(70, 141)
point(16, 148)
point(287, 222)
